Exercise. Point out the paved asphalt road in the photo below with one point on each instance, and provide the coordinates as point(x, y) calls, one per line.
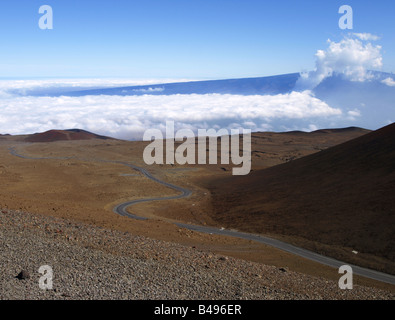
point(121, 209)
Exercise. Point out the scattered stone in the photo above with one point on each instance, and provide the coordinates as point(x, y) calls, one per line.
point(23, 275)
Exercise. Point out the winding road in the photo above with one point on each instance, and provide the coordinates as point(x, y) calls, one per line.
point(121, 209)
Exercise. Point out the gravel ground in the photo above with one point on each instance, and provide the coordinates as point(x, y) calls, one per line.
point(95, 263)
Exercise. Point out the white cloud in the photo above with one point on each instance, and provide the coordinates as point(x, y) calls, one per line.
point(312, 127)
point(127, 117)
point(366, 36)
point(353, 114)
point(389, 82)
point(350, 57)
point(149, 90)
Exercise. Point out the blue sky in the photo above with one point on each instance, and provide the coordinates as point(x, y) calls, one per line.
point(197, 39)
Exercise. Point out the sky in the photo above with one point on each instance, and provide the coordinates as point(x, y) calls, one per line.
point(193, 39)
point(125, 42)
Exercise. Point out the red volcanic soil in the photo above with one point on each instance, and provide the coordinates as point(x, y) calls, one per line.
point(59, 135)
point(341, 197)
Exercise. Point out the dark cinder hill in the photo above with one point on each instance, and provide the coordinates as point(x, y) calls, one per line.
point(336, 200)
point(60, 135)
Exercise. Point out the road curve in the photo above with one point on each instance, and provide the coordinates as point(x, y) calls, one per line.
point(121, 209)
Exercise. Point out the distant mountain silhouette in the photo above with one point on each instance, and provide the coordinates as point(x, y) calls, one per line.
point(245, 86)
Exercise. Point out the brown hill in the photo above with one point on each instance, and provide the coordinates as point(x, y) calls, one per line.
point(334, 201)
point(59, 135)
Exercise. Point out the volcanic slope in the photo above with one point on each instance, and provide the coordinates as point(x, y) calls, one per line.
point(339, 202)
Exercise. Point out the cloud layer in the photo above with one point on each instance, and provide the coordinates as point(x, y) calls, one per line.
point(351, 57)
point(127, 117)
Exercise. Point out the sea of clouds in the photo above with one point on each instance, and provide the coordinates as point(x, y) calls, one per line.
point(127, 117)
point(22, 111)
